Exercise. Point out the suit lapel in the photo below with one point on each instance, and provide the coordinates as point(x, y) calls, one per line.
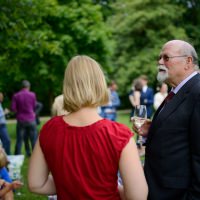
point(172, 105)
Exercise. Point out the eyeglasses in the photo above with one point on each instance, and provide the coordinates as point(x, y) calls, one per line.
point(166, 57)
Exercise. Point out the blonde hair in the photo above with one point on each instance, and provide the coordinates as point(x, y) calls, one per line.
point(3, 158)
point(84, 84)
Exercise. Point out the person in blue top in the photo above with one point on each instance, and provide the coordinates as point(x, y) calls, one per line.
point(6, 188)
point(4, 175)
point(147, 99)
point(6, 184)
point(109, 111)
point(147, 96)
point(4, 136)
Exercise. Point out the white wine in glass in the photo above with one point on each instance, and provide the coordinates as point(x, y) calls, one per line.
point(140, 115)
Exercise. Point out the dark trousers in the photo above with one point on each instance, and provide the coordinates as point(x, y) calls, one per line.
point(25, 131)
point(5, 139)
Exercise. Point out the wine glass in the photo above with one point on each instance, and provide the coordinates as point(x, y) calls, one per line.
point(140, 115)
point(19, 177)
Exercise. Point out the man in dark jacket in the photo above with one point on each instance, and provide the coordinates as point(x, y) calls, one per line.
point(172, 160)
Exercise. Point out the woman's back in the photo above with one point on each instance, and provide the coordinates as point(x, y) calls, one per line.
point(84, 160)
point(81, 150)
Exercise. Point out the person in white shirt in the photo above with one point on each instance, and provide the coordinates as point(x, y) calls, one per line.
point(160, 96)
point(57, 107)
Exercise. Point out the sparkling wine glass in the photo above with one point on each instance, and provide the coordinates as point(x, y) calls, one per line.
point(19, 177)
point(140, 115)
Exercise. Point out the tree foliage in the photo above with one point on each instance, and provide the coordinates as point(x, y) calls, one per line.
point(191, 21)
point(140, 28)
point(40, 36)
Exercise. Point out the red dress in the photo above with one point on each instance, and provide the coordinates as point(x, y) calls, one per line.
point(84, 161)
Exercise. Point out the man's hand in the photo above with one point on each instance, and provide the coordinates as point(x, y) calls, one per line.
point(144, 129)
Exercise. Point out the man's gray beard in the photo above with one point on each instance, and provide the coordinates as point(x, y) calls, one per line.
point(162, 77)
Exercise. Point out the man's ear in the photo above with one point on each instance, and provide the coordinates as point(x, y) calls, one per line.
point(189, 59)
point(189, 62)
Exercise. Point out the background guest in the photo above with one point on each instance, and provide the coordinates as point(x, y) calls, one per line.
point(109, 111)
point(160, 95)
point(4, 136)
point(6, 184)
point(57, 107)
point(135, 94)
point(24, 104)
point(147, 96)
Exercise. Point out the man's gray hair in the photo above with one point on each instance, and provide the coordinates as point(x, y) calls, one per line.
point(189, 50)
point(26, 84)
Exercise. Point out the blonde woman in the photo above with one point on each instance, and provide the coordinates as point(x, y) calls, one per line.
point(83, 151)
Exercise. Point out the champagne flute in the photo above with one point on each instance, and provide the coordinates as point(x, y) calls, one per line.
point(19, 177)
point(140, 115)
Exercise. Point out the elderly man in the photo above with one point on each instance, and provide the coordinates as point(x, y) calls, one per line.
point(172, 161)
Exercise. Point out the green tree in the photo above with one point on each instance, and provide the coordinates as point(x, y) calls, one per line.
point(40, 36)
point(105, 7)
point(140, 28)
point(191, 21)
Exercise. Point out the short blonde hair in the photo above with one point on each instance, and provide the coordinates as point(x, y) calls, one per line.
point(84, 84)
point(3, 158)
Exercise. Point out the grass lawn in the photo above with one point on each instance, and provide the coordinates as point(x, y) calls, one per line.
point(25, 194)
point(123, 117)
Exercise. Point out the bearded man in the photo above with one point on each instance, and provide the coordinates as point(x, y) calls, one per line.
point(172, 160)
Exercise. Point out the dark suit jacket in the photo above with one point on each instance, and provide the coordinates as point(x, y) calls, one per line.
point(147, 99)
point(172, 164)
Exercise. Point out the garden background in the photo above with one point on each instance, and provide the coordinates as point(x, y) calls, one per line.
point(38, 37)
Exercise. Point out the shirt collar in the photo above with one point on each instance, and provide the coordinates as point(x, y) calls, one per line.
point(144, 88)
point(180, 85)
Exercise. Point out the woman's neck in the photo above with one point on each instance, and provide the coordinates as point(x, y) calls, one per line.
point(83, 117)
